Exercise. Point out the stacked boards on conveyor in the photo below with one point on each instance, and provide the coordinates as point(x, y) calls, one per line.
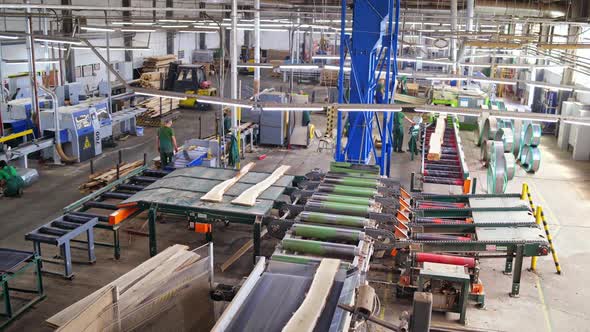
point(329, 222)
point(443, 159)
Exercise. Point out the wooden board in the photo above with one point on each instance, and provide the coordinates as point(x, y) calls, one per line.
point(306, 317)
point(436, 139)
point(92, 318)
point(216, 194)
point(243, 249)
point(123, 282)
point(249, 196)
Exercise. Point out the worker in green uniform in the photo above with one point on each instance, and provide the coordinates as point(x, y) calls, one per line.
point(9, 179)
point(398, 130)
point(166, 143)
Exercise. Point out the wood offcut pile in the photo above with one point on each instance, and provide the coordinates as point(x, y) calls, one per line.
point(101, 179)
point(161, 292)
point(152, 80)
point(154, 114)
point(158, 63)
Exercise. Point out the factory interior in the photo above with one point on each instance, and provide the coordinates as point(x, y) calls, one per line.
point(294, 165)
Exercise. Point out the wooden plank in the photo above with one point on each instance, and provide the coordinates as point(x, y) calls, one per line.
point(308, 313)
point(144, 287)
point(436, 139)
point(123, 282)
point(249, 196)
point(92, 318)
point(240, 252)
point(216, 193)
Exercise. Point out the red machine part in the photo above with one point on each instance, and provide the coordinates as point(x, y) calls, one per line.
point(445, 259)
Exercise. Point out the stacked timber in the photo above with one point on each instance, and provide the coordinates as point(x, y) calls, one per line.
point(156, 111)
point(329, 77)
point(436, 139)
point(158, 63)
point(151, 80)
point(161, 292)
point(101, 179)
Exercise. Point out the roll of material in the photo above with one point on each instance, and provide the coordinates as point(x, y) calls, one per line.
point(486, 148)
point(532, 134)
point(445, 259)
point(510, 165)
point(490, 126)
point(496, 176)
point(532, 159)
point(517, 135)
point(506, 135)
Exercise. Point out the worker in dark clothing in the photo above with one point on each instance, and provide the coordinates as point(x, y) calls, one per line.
point(9, 179)
point(166, 143)
point(398, 130)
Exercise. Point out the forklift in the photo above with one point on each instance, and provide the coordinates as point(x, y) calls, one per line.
point(190, 79)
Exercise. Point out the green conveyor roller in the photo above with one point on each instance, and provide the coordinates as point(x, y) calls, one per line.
point(326, 233)
point(342, 199)
point(339, 208)
point(319, 248)
point(347, 190)
point(333, 219)
point(352, 181)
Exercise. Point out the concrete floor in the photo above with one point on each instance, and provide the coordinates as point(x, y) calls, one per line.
point(548, 302)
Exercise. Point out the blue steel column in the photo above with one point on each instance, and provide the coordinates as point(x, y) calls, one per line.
point(385, 153)
point(339, 130)
point(394, 51)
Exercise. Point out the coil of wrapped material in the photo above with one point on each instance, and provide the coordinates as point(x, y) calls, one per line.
point(488, 131)
point(517, 135)
point(486, 148)
point(523, 152)
point(506, 135)
point(532, 159)
point(510, 165)
point(532, 134)
point(496, 176)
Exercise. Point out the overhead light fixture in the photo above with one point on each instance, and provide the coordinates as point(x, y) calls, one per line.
point(174, 26)
point(138, 30)
point(513, 66)
point(197, 31)
point(59, 41)
point(434, 78)
point(133, 23)
point(434, 62)
point(158, 95)
point(325, 57)
point(222, 103)
point(24, 62)
point(577, 122)
point(335, 67)
point(524, 118)
point(485, 80)
point(198, 26)
point(255, 65)
point(550, 87)
point(475, 64)
point(369, 108)
point(88, 28)
point(301, 67)
point(176, 21)
point(54, 47)
point(447, 112)
point(293, 108)
point(8, 37)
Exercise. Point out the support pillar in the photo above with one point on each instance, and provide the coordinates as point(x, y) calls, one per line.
point(234, 61)
point(170, 35)
point(256, 47)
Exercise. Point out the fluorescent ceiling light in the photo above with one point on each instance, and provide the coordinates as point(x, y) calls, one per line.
point(255, 65)
point(175, 21)
point(434, 78)
point(8, 37)
point(577, 122)
point(24, 62)
point(513, 66)
point(485, 80)
point(369, 109)
point(174, 26)
point(326, 57)
point(54, 47)
point(197, 31)
point(550, 87)
point(87, 28)
point(335, 67)
point(223, 103)
point(138, 30)
point(475, 64)
point(133, 23)
point(60, 41)
point(446, 112)
point(292, 108)
point(524, 118)
point(158, 95)
point(205, 27)
point(302, 67)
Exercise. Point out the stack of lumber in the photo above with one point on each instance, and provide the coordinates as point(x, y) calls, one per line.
point(155, 294)
point(329, 77)
point(101, 179)
point(155, 108)
point(436, 139)
point(151, 80)
point(158, 63)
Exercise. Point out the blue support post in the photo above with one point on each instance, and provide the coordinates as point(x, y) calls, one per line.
point(339, 130)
